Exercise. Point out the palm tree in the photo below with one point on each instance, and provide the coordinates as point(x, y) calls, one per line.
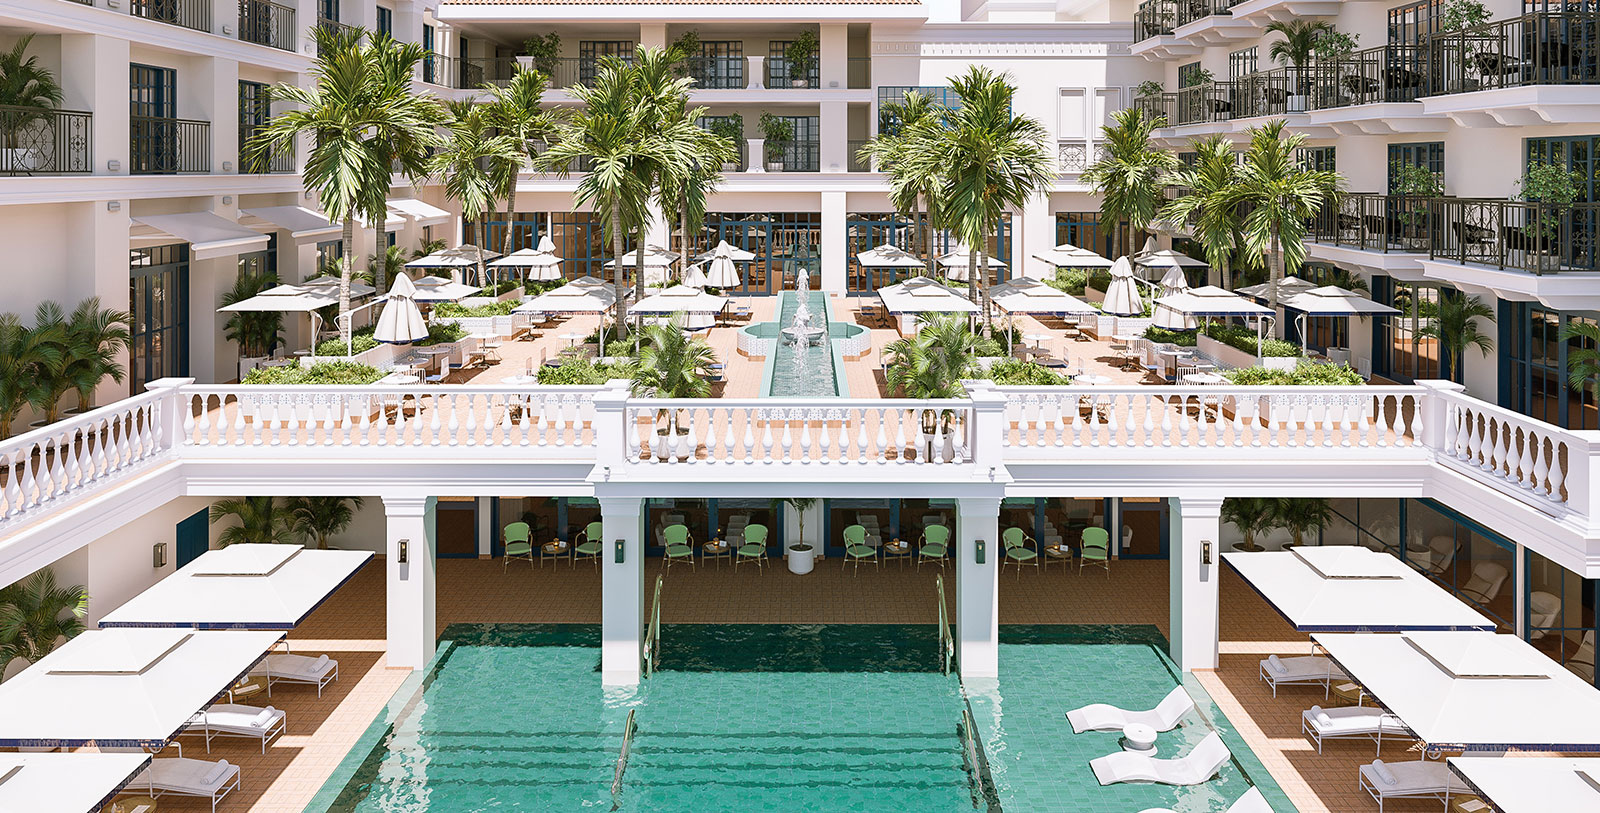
point(256, 332)
point(261, 521)
point(934, 362)
point(1282, 196)
point(403, 141)
point(96, 337)
point(663, 98)
point(1251, 515)
point(36, 615)
point(1131, 178)
point(1300, 515)
point(1455, 325)
point(905, 129)
point(477, 164)
point(687, 185)
point(53, 371)
point(22, 352)
point(1583, 361)
point(383, 267)
point(1298, 44)
point(1214, 220)
point(1348, 280)
point(672, 364)
point(517, 112)
point(321, 517)
point(27, 85)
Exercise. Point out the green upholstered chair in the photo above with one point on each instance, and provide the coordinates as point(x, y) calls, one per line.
point(856, 548)
point(1018, 550)
point(680, 545)
point(754, 546)
point(935, 545)
point(1096, 549)
point(517, 541)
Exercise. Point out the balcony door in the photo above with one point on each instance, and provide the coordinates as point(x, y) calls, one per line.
point(153, 117)
point(590, 52)
point(1577, 154)
point(720, 65)
point(158, 290)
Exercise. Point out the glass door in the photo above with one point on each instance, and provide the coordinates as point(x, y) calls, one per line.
point(1143, 528)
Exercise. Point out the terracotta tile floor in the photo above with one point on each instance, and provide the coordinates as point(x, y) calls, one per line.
point(350, 627)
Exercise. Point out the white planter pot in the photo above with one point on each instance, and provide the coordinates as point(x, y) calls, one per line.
point(248, 363)
point(799, 83)
point(774, 166)
point(802, 560)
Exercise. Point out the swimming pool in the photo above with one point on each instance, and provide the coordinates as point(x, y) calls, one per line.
point(817, 718)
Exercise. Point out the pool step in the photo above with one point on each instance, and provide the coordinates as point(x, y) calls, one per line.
point(804, 759)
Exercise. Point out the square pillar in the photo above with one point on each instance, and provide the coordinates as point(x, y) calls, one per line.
point(653, 35)
point(1195, 594)
point(97, 265)
point(833, 151)
point(87, 60)
point(410, 594)
point(622, 592)
point(833, 51)
point(835, 243)
point(219, 105)
point(1038, 236)
point(978, 587)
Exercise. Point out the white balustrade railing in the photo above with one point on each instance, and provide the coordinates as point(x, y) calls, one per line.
point(1526, 455)
point(80, 455)
point(763, 431)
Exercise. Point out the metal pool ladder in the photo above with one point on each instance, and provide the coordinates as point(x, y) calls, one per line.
point(652, 635)
point(622, 759)
point(947, 641)
point(979, 783)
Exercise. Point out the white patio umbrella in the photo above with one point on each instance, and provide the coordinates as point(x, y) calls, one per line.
point(654, 257)
point(1533, 785)
point(248, 586)
point(435, 289)
point(1123, 297)
point(724, 248)
point(1159, 260)
point(67, 782)
point(1332, 301)
point(695, 276)
point(1348, 588)
point(1210, 302)
point(401, 321)
point(538, 264)
point(889, 256)
point(1287, 287)
point(582, 295)
point(1028, 295)
point(1068, 255)
point(1173, 282)
point(287, 299)
point(700, 309)
point(722, 270)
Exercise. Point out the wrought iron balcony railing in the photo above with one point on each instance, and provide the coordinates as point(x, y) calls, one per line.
point(1547, 48)
point(166, 146)
point(195, 14)
point(796, 156)
point(275, 161)
point(1164, 105)
point(1209, 102)
point(1154, 18)
point(264, 22)
point(1188, 11)
point(1537, 238)
point(1376, 222)
point(35, 141)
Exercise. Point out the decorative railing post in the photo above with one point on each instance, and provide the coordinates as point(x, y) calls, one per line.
point(170, 410)
point(610, 410)
point(1438, 431)
point(986, 439)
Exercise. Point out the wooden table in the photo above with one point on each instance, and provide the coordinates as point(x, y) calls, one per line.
point(130, 804)
point(1349, 692)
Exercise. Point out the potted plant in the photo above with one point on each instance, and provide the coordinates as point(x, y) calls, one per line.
point(687, 55)
point(255, 332)
point(672, 365)
point(544, 52)
point(321, 517)
point(1455, 325)
point(802, 554)
point(1412, 185)
point(36, 615)
point(262, 521)
point(29, 91)
point(21, 351)
point(54, 372)
point(95, 338)
point(800, 57)
point(1302, 515)
point(1552, 189)
point(1251, 515)
point(730, 127)
point(1476, 55)
point(778, 133)
point(1295, 49)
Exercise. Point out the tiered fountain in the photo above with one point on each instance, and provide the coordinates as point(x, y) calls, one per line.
point(800, 345)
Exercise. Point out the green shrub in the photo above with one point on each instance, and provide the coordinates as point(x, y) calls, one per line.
point(443, 333)
point(619, 348)
point(327, 373)
point(1015, 372)
point(1098, 280)
point(1244, 338)
point(456, 310)
point(360, 341)
point(535, 287)
point(1181, 338)
point(501, 287)
point(1069, 280)
point(578, 370)
point(1307, 374)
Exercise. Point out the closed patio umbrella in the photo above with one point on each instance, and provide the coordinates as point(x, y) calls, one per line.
point(694, 276)
point(538, 264)
point(722, 270)
point(401, 321)
point(1173, 282)
point(1123, 298)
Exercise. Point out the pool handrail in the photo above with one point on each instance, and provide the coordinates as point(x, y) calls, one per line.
point(622, 760)
point(652, 635)
point(947, 642)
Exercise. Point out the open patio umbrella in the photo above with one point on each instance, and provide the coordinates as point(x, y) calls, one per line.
point(438, 289)
point(70, 782)
point(1287, 287)
point(538, 264)
point(1159, 260)
point(287, 299)
point(889, 256)
point(1533, 785)
point(401, 322)
point(955, 263)
point(699, 307)
point(723, 248)
point(1067, 255)
point(1028, 295)
point(1123, 297)
point(1332, 301)
point(1173, 282)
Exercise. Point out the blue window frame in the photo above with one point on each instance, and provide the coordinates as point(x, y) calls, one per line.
point(429, 64)
point(1534, 362)
point(1085, 230)
point(1399, 353)
point(385, 21)
point(783, 242)
point(158, 291)
point(867, 230)
point(582, 244)
point(1428, 155)
point(328, 10)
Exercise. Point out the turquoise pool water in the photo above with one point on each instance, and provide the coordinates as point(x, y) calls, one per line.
point(816, 718)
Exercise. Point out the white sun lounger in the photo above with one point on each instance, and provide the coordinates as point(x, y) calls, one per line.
point(1278, 671)
point(1106, 717)
point(231, 720)
point(1409, 780)
point(318, 671)
point(1251, 802)
point(1353, 723)
point(1197, 766)
point(187, 777)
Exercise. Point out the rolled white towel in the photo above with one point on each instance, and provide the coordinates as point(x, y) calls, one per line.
point(261, 719)
point(322, 660)
point(1385, 775)
point(1277, 665)
point(217, 771)
point(1321, 716)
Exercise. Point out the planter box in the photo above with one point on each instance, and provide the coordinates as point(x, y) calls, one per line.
point(248, 363)
point(1225, 355)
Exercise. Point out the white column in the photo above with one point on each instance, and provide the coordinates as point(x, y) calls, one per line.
point(364, 14)
point(1195, 537)
point(408, 23)
point(622, 598)
point(653, 35)
point(833, 64)
point(411, 623)
point(835, 243)
point(90, 62)
point(305, 19)
point(221, 108)
point(977, 587)
point(1519, 572)
point(1038, 235)
point(97, 265)
point(487, 533)
point(833, 150)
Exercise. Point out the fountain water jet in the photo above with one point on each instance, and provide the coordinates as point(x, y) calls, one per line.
point(800, 329)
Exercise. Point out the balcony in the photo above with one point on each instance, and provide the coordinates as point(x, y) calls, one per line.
point(1211, 22)
point(794, 156)
point(276, 161)
point(44, 142)
point(167, 146)
point(1153, 26)
point(1514, 235)
point(193, 14)
point(1074, 155)
point(264, 22)
point(1376, 222)
point(1530, 70)
point(1374, 92)
point(718, 72)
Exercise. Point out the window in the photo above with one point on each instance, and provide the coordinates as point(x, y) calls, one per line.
point(260, 263)
point(580, 244)
point(254, 111)
point(1241, 63)
point(803, 152)
point(1535, 361)
point(328, 10)
point(1084, 230)
point(1452, 550)
point(385, 21)
point(890, 95)
point(1189, 75)
point(1429, 155)
point(719, 65)
point(1319, 159)
point(778, 66)
point(1580, 154)
point(328, 256)
point(429, 64)
point(1399, 352)
point(1412, 23)
point(152, 127)
point(783, 242)
point(590, 52)
point(1561, 611)
point(868, 230)
point(158, 291)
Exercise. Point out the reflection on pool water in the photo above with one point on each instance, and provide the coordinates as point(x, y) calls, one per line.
point(802, 718)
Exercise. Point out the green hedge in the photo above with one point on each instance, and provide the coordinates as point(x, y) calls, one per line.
point(443, 333)
point(1069, 280)
point(1244, 338)
point(581, 371)
point(324, 373)
point(1015, 372)
point(456, 310)
point(1307, 374)
point(1181, 338)
point(360, 341)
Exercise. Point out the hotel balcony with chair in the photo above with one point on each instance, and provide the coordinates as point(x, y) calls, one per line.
point(45, 142)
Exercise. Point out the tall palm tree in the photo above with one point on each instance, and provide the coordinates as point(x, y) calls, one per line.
point(36, 615)
point(1131, 178)
point(26, 84)
point(478, 164)
point(1297, 46)
point(1455, 325)
point(663, 98)
point(992, 160)
point(97, 337)
point(262, 521)
point(1213, 219)
point(672, 364)
point(934, 362)
point(402, 142)
point(1282, 196)
point(518, 112)
point(906, 128)
point(22, 351)
point(319, 518)
point(687, 182)
point(1583, 355)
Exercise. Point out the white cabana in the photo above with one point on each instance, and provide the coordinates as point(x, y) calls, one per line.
point(1068, 255)
point(889, 256)
point(1028, 295)
point(582, 295)
point(699, 308)
point(257, 587)
point(435, 289)
point(1287, 287)
point(1159, 260)
point(956, 263)
point(538, 264)
point(1349, 588)
point(1123, 298)
point(908, 301)
point(65, 782)
point(1331, 301)
point(1540, 785)
point(124, 688)
point(401, 322)
point(1472, 691)
point(1173, 282)
point(725, 249)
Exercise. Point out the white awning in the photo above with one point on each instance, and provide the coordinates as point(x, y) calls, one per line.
point(1209, 300)
point(284, 299)
point(209, 235)
point(424, 214)
point(1331, 300)
point(124, 688)
point(924, 295)
point(1028, 295)
point(65, 782)
point(1348, 588)
point(258, 587)
point(1472, 691)
point(304, 225)
point(582, 295)
point(1533, 785)
point(679, 299)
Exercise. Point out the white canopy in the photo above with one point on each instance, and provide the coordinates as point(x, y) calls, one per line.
point(1331, 300)
point(1533, 785)
point(1288, 286)
point(1166, 257)
point(433, 289)
point(302, 224)
point(124, 688)
point(1028, 295)
point(1472, 691)
point(401, 322)
point(679, 299)
point(540, 264)
point(962, 257)
point(724, 248)
point(1209, 300)
point(1348, 588)
point(65, 782)
point(423, 214)
point(889, 256)
point(695, 276)
point(924, 295)
point(329, 286)
point(582, 295)
point(283, 299)
point(247, 586)
point(654, 257)
point(209, 235)
point(1123, 298)
point(1068, 255)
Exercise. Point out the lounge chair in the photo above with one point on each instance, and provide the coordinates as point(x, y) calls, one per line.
point(589, 543)
point(1487, 579)
point(679, 544)
point(230, 720)
point(279, 668)
point(1353, 723)
point(935, 545)
point(1096, 549)
point(1305, 669)
point(1018, 550)
point(1544, 609)
point(517, 540)
point(188, 777)
point(1106, 717)
point(856, 548)
point(1409, 780)
point(1582, 661)
point(1251, 802)
point(1193, 768)
point(1441, 552)
point(754, 548)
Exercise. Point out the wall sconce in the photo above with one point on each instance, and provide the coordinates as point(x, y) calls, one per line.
point(227, 200)
point(402, 554)
point(159, 555)
point(621, 546)
point(114, 165)
point(1205, 551)
point(980, 551)
point(113, 205)
point(227, 166)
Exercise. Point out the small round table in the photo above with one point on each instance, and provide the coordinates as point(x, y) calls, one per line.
point(1205, 379)
point(1038, 338)
point(1090, 380)
point(1348, 692)
point(128, 804)
point(1138, 737)
point(572, 338)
